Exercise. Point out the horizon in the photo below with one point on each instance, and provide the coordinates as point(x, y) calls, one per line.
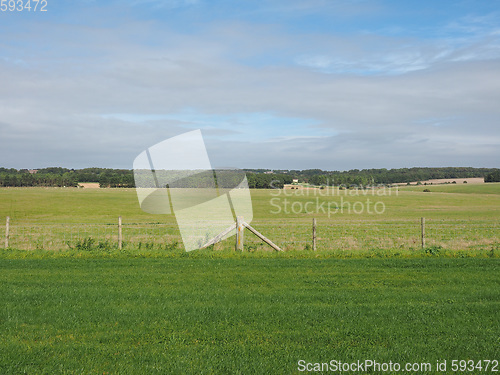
point(269, 169)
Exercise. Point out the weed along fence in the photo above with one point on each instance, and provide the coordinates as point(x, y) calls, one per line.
point(291, 234)
point(61, 236)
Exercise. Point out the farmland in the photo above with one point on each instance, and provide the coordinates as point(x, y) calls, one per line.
point(464, 217)
point(217, 311)
point(69, 205)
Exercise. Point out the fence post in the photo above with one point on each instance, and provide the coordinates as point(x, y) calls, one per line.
point(239, 233)
point(260, 235)
point(422, 231)
point(119, 232)
point(314, 234)
point(7, 223)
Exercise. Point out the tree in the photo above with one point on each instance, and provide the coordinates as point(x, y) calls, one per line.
point(493, 177)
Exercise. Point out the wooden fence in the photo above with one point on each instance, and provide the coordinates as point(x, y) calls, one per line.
point(278, 234)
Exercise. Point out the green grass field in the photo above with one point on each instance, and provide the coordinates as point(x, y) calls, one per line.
point(158, 309)
point(489, 188)
point(464, 217)
point(59, 205)
point(243, 316)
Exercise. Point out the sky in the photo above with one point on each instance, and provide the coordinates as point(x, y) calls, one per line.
point(277, 84)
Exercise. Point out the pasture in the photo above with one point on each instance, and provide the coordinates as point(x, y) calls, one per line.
point(350, 222)
point(71, 205)
point(157, 309)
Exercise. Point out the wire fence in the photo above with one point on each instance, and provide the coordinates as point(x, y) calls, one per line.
point(66, 236)
point(383, 235)
point(288, 235)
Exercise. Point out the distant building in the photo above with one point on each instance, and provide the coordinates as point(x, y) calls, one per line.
point(33, 171)
point(268, 172)
point(295, 181)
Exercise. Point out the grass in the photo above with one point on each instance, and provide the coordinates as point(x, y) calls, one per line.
point(76, 304)
point(488, 188)
point(59, 205)
point(56, 219)
point(242, 316)
point(70, 205)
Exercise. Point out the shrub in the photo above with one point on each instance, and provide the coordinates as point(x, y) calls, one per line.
point(85, 244)
point(171, 246)
point(90, 244)
point(433, 250)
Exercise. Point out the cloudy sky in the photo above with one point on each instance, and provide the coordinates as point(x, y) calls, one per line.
point(330, 84)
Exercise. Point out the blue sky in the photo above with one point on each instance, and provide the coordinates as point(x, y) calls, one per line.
point(291, 84)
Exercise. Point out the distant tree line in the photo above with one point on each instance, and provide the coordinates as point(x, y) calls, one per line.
point(257, 178)
point(493, 176)
point(368, 177)
point(60, 177)
point(44, 177)
point(266, 181)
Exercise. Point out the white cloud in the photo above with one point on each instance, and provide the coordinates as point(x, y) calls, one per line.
point(52, 105)
point(390, 55)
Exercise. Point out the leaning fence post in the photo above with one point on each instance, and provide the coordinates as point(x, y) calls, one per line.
point(261, 236)
point(7, 222)
point(314, 234)
point(422, 231)
point(119, 232)
point(239, 233)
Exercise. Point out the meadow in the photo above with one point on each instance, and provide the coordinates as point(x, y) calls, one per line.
point(489, 188)
point(72, 205)
point(369, 291)
point(349, 222)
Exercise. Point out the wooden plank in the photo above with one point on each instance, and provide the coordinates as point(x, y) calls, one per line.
point(262, 237)
point(314, 234)
point(120, 232)
point(7, 224)
point(422, 231)
point(218, 237)
point(239, 233)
